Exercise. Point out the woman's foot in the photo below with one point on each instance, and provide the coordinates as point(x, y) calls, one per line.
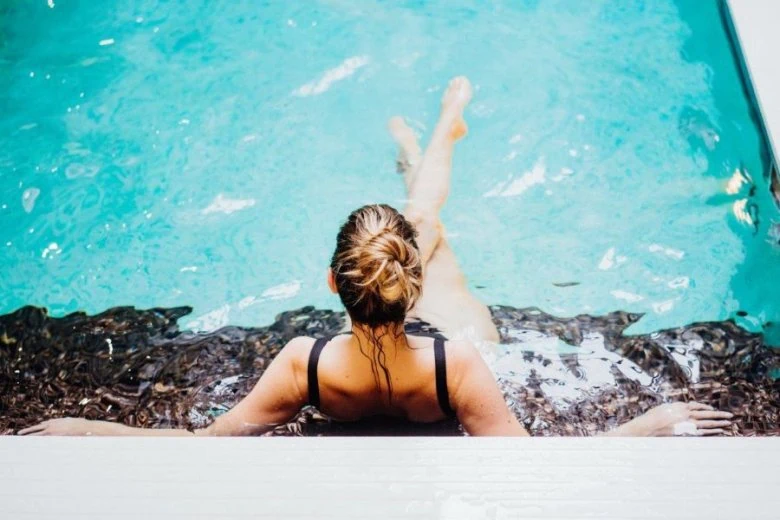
point(453, 102)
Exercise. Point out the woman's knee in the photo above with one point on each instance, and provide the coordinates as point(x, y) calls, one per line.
point(423, 221)
point(429, 231)
point(428, 226)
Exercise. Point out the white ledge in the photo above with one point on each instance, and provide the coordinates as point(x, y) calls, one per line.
point(447, 478)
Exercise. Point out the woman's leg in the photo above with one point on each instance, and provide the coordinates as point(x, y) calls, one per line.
point(446, 302)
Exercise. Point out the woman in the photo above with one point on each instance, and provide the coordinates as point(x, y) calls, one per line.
point(379, 371)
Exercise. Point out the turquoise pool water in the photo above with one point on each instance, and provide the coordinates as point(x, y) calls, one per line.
point(176, 153)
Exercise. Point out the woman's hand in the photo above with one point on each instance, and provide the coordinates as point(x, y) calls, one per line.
point(677, 419)
point(70, 426)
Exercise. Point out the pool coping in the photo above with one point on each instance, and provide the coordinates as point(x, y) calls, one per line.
point(474, 478)
point(753, 25)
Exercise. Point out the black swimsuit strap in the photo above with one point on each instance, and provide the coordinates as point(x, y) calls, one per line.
point(441, 377)
point(314, 384)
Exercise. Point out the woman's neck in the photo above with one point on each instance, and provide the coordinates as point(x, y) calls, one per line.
point(390, 336)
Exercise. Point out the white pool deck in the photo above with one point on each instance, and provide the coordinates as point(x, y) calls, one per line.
point(386, 478)
point(443, 478)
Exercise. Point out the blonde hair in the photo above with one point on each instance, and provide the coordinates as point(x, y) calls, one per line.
point(377, 265)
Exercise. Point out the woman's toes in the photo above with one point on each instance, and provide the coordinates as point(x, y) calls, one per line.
point(458, 94)
point(401, 132)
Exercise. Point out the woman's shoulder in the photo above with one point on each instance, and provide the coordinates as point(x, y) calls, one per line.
point(306, 342)
point(455, 349)
point(461, 355)
point(460, 347)
point(296, 350)
point(300, 342)
point(300, 347)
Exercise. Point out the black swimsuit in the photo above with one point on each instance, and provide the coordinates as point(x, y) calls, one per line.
point(387, 425)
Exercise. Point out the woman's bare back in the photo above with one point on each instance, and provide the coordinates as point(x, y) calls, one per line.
point(351, 388)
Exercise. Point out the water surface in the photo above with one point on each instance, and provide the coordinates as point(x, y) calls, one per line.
point(171, 153)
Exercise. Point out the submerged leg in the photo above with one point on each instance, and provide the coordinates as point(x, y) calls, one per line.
point(446, 302)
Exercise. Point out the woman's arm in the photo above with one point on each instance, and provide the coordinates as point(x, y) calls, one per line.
point(476, 398)
point(276, 398)
point(482, 411)
point(73, 426)
point(279, 394)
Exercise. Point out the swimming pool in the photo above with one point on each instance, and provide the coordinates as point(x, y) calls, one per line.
point(162, 154)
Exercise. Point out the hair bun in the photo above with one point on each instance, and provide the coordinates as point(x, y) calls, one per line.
point(390, 266)
point(377, 265)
